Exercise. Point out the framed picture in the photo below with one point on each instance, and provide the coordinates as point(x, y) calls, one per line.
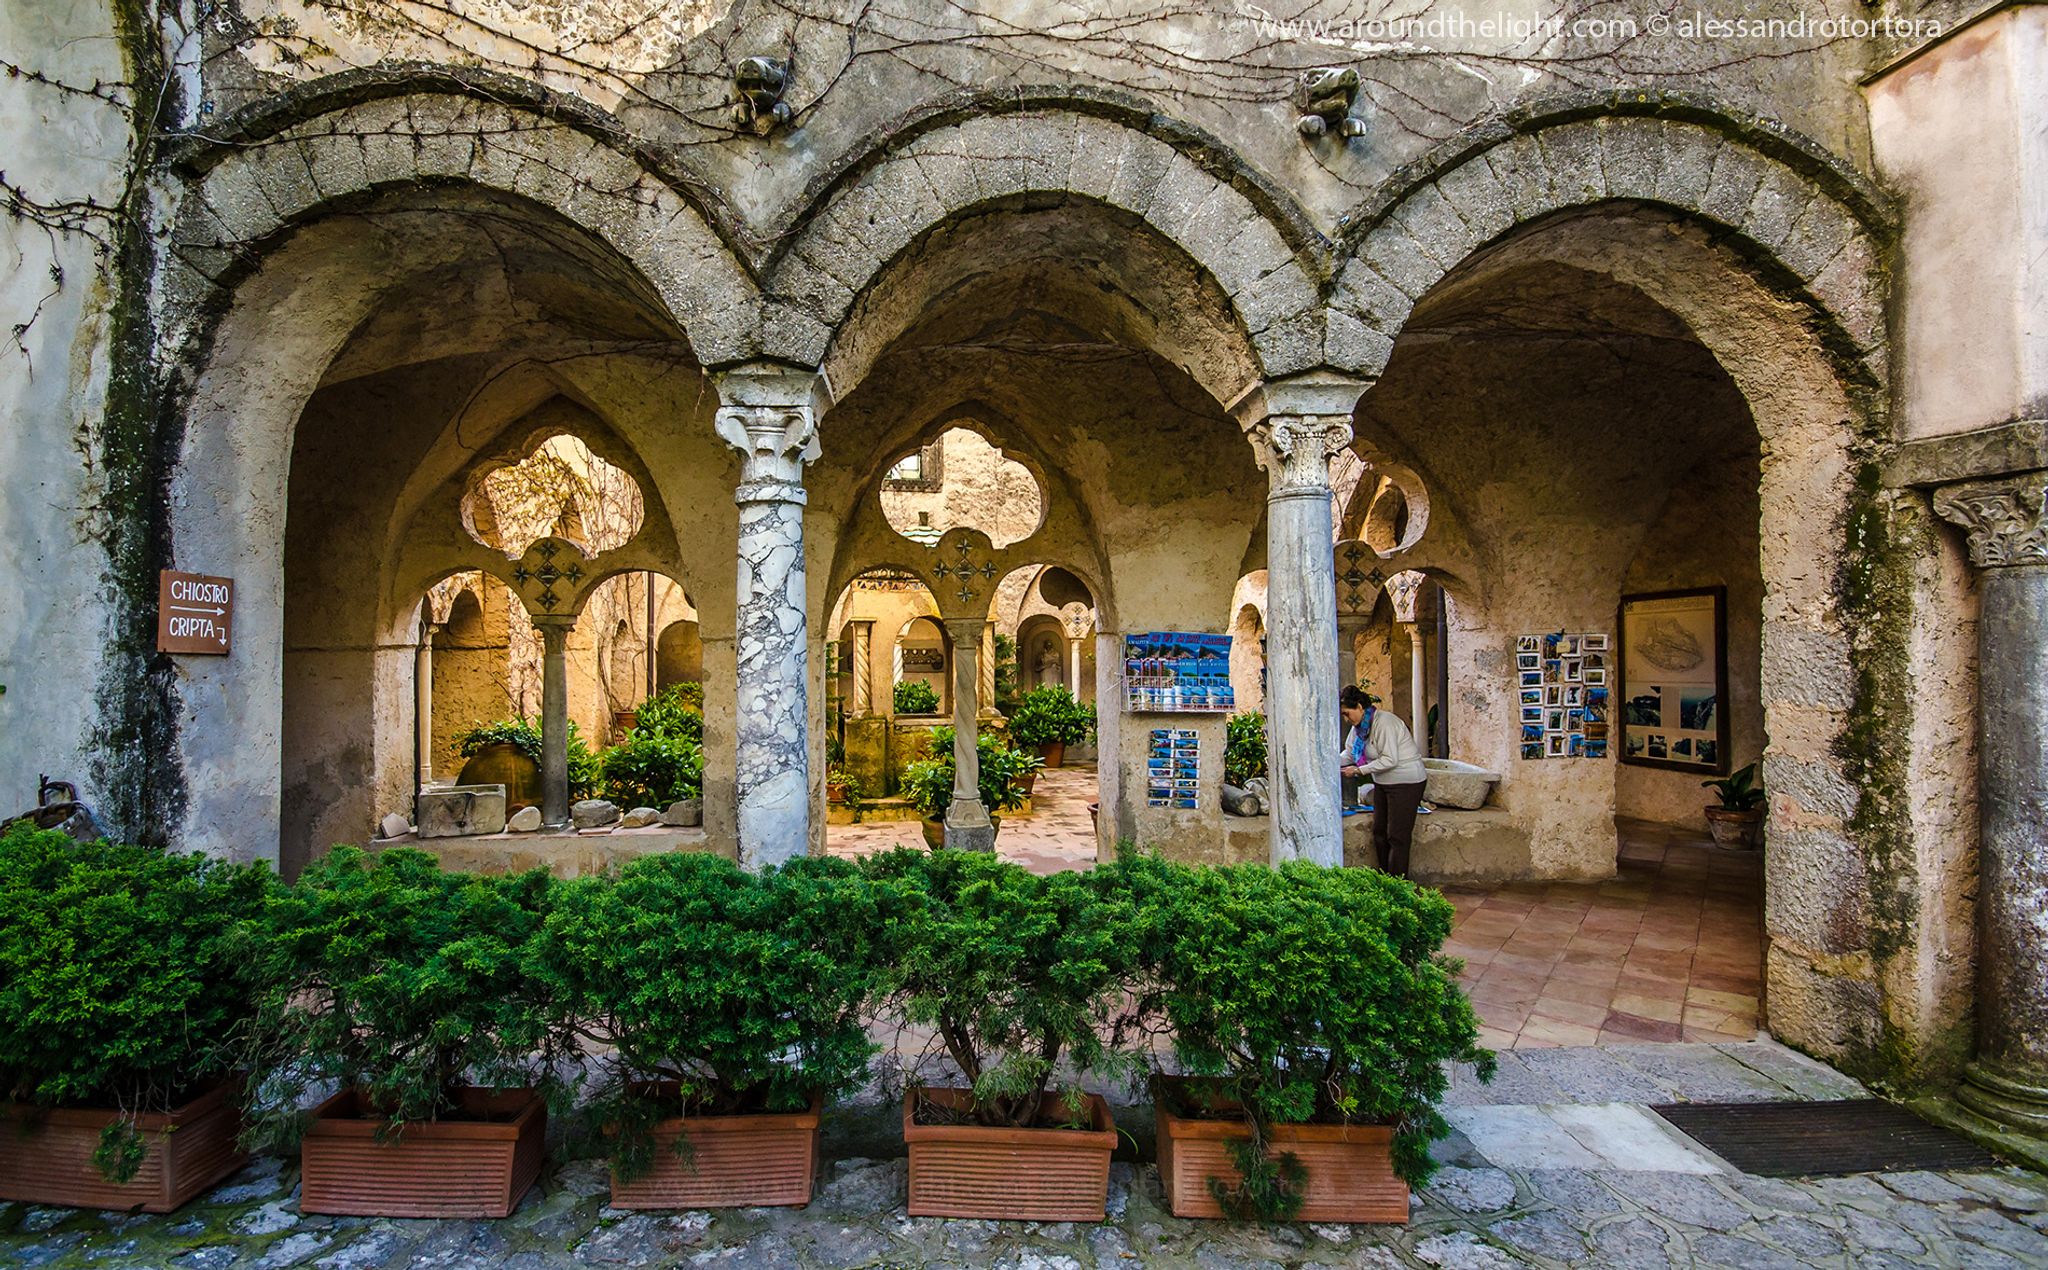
point(1670, 680)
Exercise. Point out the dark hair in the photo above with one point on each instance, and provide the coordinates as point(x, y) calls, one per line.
point(1354, 698)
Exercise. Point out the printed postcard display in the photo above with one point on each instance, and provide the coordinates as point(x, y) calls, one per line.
point(1672, 680)
point(1177, 672)
point(1173, 763)
point(1567, 706)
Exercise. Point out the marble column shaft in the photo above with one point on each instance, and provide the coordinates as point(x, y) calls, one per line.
point(2008, 542)
point(423, 700)
point(554, 719)
point(863, 673)
point(771, 420)
point(1418, 686)
point(1302, 721)
point(968, 826)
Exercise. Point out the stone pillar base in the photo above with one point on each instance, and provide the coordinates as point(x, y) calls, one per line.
point(968, 827)
point(2009, 1100)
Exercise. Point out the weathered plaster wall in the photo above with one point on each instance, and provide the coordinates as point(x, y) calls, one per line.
point(58, 299)
point(1962, 132)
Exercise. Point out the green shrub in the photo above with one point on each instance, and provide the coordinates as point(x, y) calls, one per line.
point(1306, 995)
point(748, 993)
point(406, 982)
point(524, 733)
point(675, 711)
point(916, 696)
point(1006, 673)
point(649, 769)
point(1244, 747)
point(928, 783)
point(125, 973)
point(1048, 715)
point(1012, 973)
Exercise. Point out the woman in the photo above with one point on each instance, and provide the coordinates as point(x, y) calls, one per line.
point(1381, 747)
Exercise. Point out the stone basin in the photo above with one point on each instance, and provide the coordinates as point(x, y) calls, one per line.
point(1455, 784)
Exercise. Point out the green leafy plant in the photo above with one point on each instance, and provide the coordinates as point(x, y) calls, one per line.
point(1014, 975)
point(584, 768)
point(675, 711)
point(650, 769)
point(1049, 715)
point(1304, 995)
point(1006, 673)
point(125, 975)
point(1740, 791)
point(1244, 747)
point(714, 991)
point(928, 783)
point(916, 696)
point(389, 975)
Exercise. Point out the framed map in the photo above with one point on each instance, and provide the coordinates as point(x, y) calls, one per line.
point(1672, 680)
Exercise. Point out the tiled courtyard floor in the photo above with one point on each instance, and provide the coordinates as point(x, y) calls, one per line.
point(1057, 835)
point(1556, 1163)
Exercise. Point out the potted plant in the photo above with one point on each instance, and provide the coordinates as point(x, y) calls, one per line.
point(1048, 719)
point(1739, 819)
point(1312, 1016)
point(1244, 747)
point(915, 696)
point(731, 1007)
point(652, 769)
point(124, 972)
point(1017, 978)
point(928, 783)
point(414, 990)
point(507, 752)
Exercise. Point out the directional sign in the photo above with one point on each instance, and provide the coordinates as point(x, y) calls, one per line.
point(194, 613)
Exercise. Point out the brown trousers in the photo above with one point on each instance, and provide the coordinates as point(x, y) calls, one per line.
point(1393, 824)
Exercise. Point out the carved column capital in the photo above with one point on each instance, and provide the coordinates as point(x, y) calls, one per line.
point(2005, 520)
point(1296, 450)
point(770, 415)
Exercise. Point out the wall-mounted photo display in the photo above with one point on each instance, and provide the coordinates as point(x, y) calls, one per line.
point(1562, 681)
point(1671, 680)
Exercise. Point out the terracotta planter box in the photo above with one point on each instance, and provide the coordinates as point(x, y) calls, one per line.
point(1350, 1167)
point(1053, 754)
point(1739, 830)
point(758, 1161)
point(1007, 1174)
point(446, 1168)
point(186, 1151)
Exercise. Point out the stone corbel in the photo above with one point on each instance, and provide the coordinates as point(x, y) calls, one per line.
point(2003, 520)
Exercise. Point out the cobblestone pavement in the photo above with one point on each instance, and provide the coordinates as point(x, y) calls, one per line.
point(1557, 1163)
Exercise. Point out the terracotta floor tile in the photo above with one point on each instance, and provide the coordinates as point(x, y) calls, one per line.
point(1540, 1032)
point(1569, 990)
point(1597, 973)
point(1730, 1002)
point(1660, 1008)
point(1559, 1010)
point(1624, 1029)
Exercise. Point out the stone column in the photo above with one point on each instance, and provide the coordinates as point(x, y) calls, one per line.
point(988, 670)
point(1349, 627)
point(770, 415)
point(1418, 685)
point(423, 700)
point(2008, 543)
point(968, 826)
point(554, 718)
point(863, 674)
point(1297, 426)
point(1074, 666)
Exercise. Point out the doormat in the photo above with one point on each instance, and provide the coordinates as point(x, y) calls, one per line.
point(1820, 1139)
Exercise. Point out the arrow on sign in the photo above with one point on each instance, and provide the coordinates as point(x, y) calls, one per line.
point(217, 611)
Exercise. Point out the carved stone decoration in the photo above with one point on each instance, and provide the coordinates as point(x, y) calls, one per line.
point(775, 442)
point(1402, 589)
point(550, 578)
point(1324, 97)
point(2004, 520)
point(1359, 578)
point(1295, 450)
point(758, 84)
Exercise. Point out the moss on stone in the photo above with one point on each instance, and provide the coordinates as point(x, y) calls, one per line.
point(132, 743)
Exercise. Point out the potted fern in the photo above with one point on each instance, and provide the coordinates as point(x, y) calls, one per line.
point(1017, 979)
point(125, 972)
point(1738, 821)
point(415, 992)
point(729, 1010)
